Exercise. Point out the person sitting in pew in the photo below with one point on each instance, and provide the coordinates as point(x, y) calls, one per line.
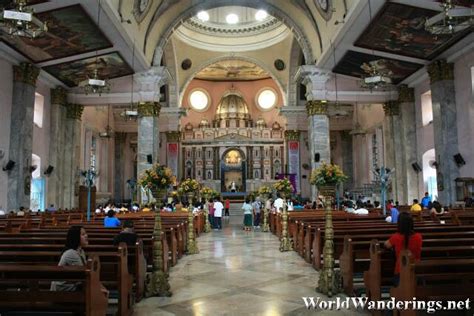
point(416, 207)
point(127, 235)
point(74, 255)
point(404, 238)
point(436, 208)
point(110, 220)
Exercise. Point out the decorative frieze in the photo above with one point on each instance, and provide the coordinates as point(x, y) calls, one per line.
point(149, 109)
point(74, 111)
point(173, 136)
point(441, 70)
point(391, 108)
point(316, 107)
point(292, 135)
point(59, 96)
point(26, 73)
point(406, 94)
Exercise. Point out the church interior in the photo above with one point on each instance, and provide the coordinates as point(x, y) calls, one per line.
point(357, 114)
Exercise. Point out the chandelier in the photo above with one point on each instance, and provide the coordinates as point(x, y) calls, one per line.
point(378, 75)
point(131, 114)
point(108, 132)
point(94, 84)
point(452, 19)
point(20, 21)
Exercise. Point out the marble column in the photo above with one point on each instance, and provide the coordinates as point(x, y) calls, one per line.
point(293, 155)
point(443, 99)
point(21, 135)
point(347, 159)
point(71, 156)
point(58, 103)
point(394, 149)
point(148, 135)
point(318, 137)
point(406, 98)
point(119, 166)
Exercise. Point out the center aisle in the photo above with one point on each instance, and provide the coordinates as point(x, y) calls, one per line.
point(237, 273)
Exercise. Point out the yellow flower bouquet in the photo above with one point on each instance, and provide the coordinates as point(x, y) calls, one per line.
point(264, 190)
point(283, 186)
point(207, 192)
point(327, 174)
point(189, 186)
point(157, 177)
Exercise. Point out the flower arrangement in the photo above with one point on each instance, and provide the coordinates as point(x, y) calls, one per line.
point(327, 174)
point(264, 190)
point(157, 177)
point(189, 186)
point(283, 186)
point(207, 192)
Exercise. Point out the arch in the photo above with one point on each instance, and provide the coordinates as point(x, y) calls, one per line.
point(229, 57)
point(195, 8)
point(429, 172)
point(242, 154)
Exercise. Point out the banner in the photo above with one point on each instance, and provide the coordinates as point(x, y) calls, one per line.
point(294, 162)
point(173, 157)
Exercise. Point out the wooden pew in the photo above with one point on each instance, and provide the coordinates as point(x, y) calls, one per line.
point(22, 288)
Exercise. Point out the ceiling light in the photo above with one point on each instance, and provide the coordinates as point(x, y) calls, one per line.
point(451, 20)
point(203, 16)
point(261, 15)
point(232, 18)
point(95, 85)
point(20, 21)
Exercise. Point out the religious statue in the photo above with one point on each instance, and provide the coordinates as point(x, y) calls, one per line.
point(233, 188)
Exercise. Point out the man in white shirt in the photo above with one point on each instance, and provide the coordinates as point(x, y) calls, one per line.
point(218, 207)
point(278, 204)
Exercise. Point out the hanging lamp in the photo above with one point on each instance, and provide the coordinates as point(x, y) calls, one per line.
point(20, 21)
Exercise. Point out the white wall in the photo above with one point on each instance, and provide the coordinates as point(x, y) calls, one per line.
point(6, 87)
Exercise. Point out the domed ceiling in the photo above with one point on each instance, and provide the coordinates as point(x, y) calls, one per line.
point(234, 69)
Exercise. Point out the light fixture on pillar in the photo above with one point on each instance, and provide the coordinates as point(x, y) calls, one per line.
point(451, 19)
point(20, 21)
point(358, 130)
point(95, 84)
point(378, 71)
point(107, 133)
point(131, 113)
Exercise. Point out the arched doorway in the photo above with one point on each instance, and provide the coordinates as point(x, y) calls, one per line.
point(233, 170)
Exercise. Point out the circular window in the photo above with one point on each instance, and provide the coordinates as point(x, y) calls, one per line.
point(266, 98)
point(199, 100)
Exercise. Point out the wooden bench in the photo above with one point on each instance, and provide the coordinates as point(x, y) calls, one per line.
point(26, 288)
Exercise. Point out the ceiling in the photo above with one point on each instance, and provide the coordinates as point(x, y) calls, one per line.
point(233, 70)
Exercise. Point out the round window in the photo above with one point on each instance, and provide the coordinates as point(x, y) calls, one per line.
point(199, 100)
point(266, 99)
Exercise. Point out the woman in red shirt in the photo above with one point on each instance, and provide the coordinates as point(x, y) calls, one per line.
point(405, 238)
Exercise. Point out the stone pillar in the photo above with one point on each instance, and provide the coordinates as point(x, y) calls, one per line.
point(318, 137)
point(347, 159)
point(21, 135)
point(119, 165)
point(406, 98)
point(56, 136)
point(71, 156)
point(443, 99)
point(293, 155)
point(393, 144)
point(148, 135)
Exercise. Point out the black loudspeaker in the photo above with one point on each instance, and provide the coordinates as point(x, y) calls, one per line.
point(317, 157)
point(149, 159)
point(416, 167)
point(49, 170)
point(9, 166)
point(459, 160)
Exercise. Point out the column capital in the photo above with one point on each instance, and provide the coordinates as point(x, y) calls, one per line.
point(406, 94)
point(74, 111)
point(292, 135)
point(316, 107)
point(152, 79)
point(440, 70)
point(149, 109)
point(59, 96)
point(314, 79)
point(26, 73)
point(391, 108)
point(173, 136)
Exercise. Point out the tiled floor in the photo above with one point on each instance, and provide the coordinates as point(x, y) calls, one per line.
point(238, 273)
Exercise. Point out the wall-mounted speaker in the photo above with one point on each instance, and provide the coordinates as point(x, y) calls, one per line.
point(49, 170)
point(459, 160)
point(149, 159)
point(416, 167)
point(317, 157)
point(9, 166)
